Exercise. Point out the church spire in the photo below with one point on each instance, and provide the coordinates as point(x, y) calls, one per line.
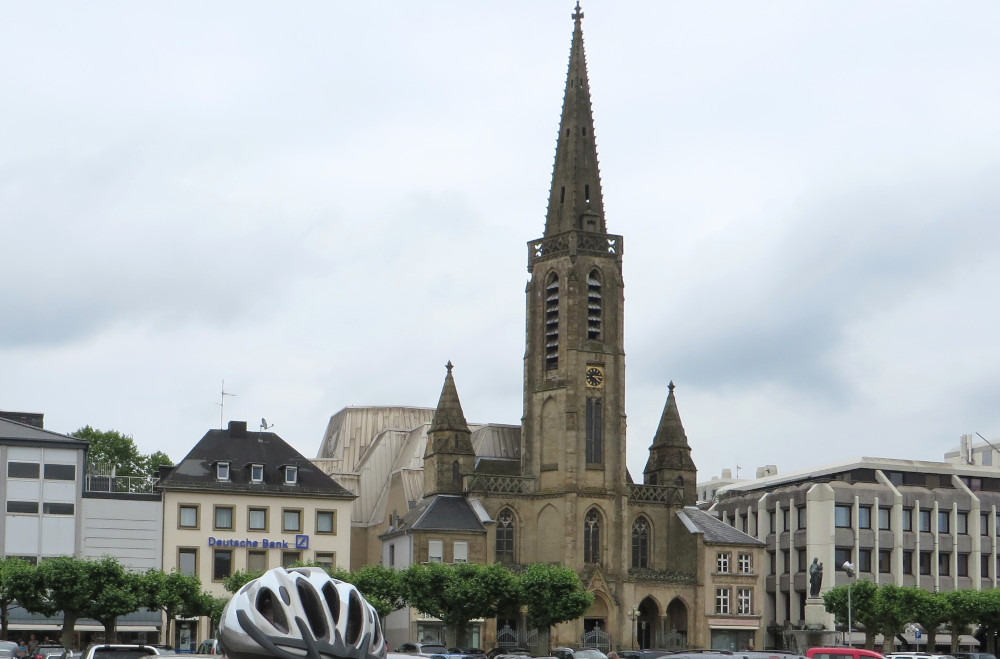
point(670, 460)
point(575, 201)
point(449, 414)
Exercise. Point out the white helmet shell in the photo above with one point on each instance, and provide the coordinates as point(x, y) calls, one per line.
point(300, 613)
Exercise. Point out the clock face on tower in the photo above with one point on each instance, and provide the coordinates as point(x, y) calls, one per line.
point(595, 377)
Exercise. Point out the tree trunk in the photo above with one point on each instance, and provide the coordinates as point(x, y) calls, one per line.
point(931, 640)
point(110, 629)
point(69, 624)
point(4, 620)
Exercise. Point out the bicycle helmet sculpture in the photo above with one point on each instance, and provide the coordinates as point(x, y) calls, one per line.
point(300, 613)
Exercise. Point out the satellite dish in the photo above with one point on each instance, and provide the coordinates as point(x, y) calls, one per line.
point(263, 424)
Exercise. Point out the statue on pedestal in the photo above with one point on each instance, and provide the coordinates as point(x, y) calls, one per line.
point(815, 577)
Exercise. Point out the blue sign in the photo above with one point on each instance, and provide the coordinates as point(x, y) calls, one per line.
point(916, 633)
point(302, 542)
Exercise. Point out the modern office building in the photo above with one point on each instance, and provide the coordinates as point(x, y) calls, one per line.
point(906, 522)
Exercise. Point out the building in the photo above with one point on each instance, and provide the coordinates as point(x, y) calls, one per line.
point(907, 522)
point(556, 489)
point(54, 508)
point(242, 500)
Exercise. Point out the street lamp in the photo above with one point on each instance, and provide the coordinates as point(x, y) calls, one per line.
point(633, 615)
point(852, 573)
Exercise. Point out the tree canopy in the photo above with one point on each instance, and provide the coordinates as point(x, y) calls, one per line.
point(553, 594)
point(116, 450)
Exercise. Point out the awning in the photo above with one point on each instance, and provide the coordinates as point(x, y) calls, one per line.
point(741, 627)
point(44, 627)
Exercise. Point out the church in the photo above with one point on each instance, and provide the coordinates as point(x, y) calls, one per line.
point(433, 487)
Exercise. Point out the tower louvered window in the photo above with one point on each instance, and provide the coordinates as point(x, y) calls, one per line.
point(595, 430)
point(640, 542)
point(592, 537)
point(505, 536)
point(594, 306)
point(552, 322)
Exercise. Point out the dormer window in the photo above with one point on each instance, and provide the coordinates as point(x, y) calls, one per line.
point(222, 471)
point(291, 474)
point(256, 473)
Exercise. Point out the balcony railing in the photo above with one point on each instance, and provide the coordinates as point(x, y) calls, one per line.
point(121, 484)
point(638, 493)
point(490, 484)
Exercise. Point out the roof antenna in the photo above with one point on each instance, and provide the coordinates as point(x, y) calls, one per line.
point(264, 426)
point(222, 403)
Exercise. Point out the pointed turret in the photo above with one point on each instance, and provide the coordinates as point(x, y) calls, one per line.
point(575, 201)
point(449, 454)
point(670, 460)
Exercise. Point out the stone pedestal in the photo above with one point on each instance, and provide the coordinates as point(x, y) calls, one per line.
point(816, 615)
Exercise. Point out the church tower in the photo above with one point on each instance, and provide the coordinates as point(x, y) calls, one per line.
point(449, 454)
point(573, 429)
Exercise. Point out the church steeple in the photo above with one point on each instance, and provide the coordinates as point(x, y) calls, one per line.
point(575, 201)
point(449, 454)
point(670, 460)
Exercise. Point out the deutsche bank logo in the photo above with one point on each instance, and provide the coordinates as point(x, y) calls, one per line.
point(302, 542)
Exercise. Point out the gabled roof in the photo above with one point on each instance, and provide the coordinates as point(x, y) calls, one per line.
point(241, 449)
point(441, 512)
point(713, 529)
point(13, 431)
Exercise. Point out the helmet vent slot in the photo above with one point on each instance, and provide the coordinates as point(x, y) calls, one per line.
point(313, 609)
point(332, 598)
point(272, 611)
point(355, 619)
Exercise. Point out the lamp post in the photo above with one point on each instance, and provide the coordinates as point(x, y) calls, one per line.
point(633, 615)
point(852, 573)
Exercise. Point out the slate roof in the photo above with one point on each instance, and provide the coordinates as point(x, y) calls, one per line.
point(22, 432)
point(197, 471)
point(441, 512)
point(714, 530)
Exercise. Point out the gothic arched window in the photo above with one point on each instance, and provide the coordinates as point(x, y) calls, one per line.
point(505, 536)
point(640, 542)
point(592, 537)
point(552, 322)
point(595, 304)
point(456, 475)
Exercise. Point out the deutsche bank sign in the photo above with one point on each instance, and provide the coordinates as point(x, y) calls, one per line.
point(301, 542)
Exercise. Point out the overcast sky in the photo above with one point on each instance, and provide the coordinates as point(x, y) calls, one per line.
point(324, 202)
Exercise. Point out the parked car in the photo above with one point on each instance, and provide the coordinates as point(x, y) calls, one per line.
point(120, 651)
point(585, 653)
point(643, 654)
point(426, 649)
point(47, 651)
point(973, 655)
point(8, 649)
point(496, 652)
point(842, 653)
point(209, 646)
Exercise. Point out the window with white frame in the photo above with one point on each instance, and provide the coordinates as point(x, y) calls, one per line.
point(222, 471)
point(722, 562)
point(744, 602)
point(291, 475)
point(722, 600)
point(461, 550)
point(435, 551)
point(256, 473)
point(745, 563)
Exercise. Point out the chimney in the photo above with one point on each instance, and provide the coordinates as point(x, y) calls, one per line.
point(27, 418)
point(237, 428)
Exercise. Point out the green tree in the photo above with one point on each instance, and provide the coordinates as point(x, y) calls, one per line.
point(989, 618)
point(212, 607)
point(552, 594)
point(117, 450)
point(963, 611)
point(173, 593)
point(118, 592)
point(10, 567)
point(930, 610)
point(459, 593)
point(240, 578)
point(61, 584)
point(381, 586)
point(894, 609)
point(864, 613)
